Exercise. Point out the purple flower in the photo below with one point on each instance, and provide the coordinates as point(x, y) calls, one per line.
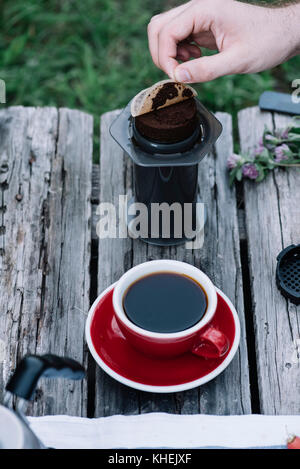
point(281, 153)
point(250, 171)
point(270, 141)
point(233, 161)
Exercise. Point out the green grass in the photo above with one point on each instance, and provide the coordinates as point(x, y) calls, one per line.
point(93, 55)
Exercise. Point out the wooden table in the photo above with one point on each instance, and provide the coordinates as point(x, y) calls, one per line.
point(52, 265)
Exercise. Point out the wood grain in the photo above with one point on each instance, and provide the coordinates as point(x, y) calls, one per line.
point(45, 193)
point(272, 223)
point(219, 258)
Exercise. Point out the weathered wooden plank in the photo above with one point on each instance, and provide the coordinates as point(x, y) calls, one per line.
point(272, 222)
point(219, 258)
point(45, 263)
point(24, 188)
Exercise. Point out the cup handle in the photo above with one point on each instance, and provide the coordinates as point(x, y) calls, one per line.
point(211, 343)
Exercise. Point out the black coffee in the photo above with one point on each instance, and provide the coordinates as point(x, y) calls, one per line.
point(165, 302)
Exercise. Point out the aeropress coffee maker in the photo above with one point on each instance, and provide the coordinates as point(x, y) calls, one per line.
point(166, 173)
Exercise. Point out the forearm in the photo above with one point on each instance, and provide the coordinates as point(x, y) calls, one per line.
point(273, 4)
point(289, 17)
point(288, 13)
point(279, 27)
point(295, 14)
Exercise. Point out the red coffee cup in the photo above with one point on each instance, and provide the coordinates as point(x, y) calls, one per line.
point(202, 339)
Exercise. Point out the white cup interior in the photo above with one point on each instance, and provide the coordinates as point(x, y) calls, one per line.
point(164, 265)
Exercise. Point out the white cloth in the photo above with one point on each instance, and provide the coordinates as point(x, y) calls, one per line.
point(160, 430)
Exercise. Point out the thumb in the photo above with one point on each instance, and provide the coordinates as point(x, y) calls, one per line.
point(206, 68)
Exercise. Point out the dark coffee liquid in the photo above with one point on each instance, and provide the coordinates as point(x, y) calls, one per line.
point(165, 302)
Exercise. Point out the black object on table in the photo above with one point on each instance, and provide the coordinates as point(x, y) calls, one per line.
point(288, 273)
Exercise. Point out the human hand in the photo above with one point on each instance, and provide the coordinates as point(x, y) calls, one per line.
point(249, 38)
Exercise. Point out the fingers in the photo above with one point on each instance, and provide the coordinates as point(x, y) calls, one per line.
point(178, 29)
point(206, 68)
point(206, 39)
point(182, 54)
point(185, 51)
point(170, 36)
point(155, 26)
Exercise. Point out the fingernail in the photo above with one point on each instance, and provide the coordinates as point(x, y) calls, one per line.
point(182, 75)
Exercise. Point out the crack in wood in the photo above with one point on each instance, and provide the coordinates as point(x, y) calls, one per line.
point(278, 205)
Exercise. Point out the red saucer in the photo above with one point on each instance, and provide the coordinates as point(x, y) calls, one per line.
point(119, 359)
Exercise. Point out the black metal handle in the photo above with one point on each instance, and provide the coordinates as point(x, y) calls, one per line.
point(33, 367)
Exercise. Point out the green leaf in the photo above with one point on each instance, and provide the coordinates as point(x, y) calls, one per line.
point(231, 177)
point(239, 174)
point(294, 136)
point(270, 165)
point(261, 174)
point(262, 159)
point(295, 130)
point(265, 153)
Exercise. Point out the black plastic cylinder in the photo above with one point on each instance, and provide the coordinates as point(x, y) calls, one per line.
point(170, 184)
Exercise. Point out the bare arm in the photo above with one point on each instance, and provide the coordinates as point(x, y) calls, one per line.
point(249, 38)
